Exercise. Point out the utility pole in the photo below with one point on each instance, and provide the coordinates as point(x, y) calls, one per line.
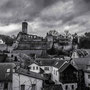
point(19, 72)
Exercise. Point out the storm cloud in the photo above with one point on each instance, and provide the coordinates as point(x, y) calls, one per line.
point(44, 15)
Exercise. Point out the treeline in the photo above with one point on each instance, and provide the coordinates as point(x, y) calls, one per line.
point(85, 41)
point(7, 39)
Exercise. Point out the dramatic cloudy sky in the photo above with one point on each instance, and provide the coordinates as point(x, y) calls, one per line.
point(45, 15)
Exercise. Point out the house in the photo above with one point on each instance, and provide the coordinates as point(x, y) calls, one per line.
point(1, 41)
point(3, 46)
point(68, 76)
point(51, 67)
point(79, 53)
point(87, 75)
point(82, 64)
point(55, 72)
point(60, 72)
point(34, 67)
point(14, 78)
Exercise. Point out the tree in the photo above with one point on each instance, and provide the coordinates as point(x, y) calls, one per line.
point(85, 41)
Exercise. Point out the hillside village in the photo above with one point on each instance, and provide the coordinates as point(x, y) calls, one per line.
point(53, 62)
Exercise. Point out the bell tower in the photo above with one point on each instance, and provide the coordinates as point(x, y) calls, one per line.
point(24, 26)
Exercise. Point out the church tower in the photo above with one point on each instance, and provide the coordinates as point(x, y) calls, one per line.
point(24, 27)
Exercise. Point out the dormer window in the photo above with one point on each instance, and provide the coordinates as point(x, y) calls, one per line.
point(33, 68)
point(36, 68)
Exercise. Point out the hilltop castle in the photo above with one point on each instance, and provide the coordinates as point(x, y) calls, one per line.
point(28, 43)
point(33, 44)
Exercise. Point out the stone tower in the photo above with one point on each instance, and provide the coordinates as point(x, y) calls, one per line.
point(24, 27)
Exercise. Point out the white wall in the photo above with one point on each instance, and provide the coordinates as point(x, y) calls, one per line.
point(52, 70)
point(34, 65)
point(55, 75)
point(27, 81)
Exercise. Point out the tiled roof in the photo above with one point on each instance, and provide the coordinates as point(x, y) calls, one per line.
point(59, 63)
point(30, 74)
point(47, 62)
point(81, 62)
point(51, 62)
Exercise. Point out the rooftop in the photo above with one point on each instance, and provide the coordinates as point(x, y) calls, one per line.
point(6, 68)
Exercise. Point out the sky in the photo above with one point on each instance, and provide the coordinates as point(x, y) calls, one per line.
point(44, 15)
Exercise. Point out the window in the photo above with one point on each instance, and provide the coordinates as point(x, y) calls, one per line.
point(72, 87)
point(36, 68)
point(5, 86)
point(1, 84)
point(11, 55)
point(46, 68)
point(33, 68)
point(8, 70)
point(89, 76)
point(88, 66)
point(89, 84)
point(33, 87)
point(66, 87)
point(54, 71)
point(23, 87)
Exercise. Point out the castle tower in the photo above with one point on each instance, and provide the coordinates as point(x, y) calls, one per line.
point(24, 27)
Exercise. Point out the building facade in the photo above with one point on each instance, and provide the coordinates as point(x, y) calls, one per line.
point(14, 78)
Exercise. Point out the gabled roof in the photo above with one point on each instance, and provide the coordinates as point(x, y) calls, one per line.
point(51, 62)
point(47, 62)
point(33, 63)
point(30, 74)
point(65, 66)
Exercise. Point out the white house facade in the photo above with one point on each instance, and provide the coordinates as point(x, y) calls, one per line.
point(34, 68)
point(24, 82)
point(13, 78)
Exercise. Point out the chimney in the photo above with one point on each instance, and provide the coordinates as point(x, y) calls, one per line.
point(24, 27)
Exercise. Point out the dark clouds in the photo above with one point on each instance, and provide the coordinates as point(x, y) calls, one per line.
point(44, 15)
point(18, 10)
